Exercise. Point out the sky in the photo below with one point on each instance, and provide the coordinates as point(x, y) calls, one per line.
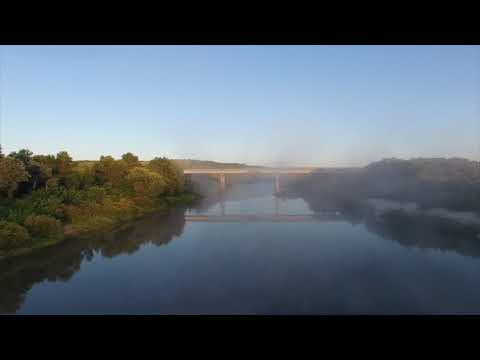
point(264, 105)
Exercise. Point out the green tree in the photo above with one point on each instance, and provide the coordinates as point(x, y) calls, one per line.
point(96, 194)
point(87, 177)
point(146, 183)
point(52, 183)
point(13, 236)
point(48, 161)
point(39, 174)
point(44, 227)
point(23, 155)
point(72, 180)
point(171, 172)
point(12, 173)
point(109, 170)
point(38, 168)
point(130, 159)
point(64, 163)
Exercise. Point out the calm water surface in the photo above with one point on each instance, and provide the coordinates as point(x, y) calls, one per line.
point(179, 265)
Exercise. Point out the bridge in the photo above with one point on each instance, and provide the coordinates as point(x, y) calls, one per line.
point(252, 171)
point(275, 217)
point(221, 173)
point(235, 218)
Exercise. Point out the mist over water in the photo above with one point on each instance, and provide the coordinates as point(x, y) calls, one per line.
point(345, 263)
point(386, 222)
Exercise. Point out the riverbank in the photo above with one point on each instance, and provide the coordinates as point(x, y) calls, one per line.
point(162, 206)
point(47, 199)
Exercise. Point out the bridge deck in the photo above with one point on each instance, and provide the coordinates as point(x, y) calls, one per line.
point(249, 171)
point(262, 218)
point(274, 171)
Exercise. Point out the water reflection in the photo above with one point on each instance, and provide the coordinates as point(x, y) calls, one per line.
point(59, 263)
point(62, 261)
point(409, 230)
point(426, 232)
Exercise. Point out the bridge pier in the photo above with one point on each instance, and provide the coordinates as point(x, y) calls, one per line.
point(277, 184)
point(222, 206)
point(223, 182)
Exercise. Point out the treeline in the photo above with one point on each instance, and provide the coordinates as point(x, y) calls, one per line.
point(204, 164)
point(436, 182)
point(431, 182)
point(45, 197)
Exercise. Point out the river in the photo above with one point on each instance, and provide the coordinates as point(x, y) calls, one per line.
point(242, 255)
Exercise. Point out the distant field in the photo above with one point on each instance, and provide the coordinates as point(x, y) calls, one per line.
point(187, 164)
point(204, 164)
point(85, 163)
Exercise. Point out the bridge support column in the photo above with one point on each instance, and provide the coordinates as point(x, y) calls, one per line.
point(222, 206)
point(277, 184)
point(223, 182)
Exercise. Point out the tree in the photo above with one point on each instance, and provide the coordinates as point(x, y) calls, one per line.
point(130, 159)
point(146, 183)
point(24, 155)
point(64, 163)
point(39, 173)
point(13, 236)
point(46, 160)
point(87, 176)
point(52, 183)
point(109, 170)
point(39, 168)
point(12, 173)
point(44, 227)
point(172, 174)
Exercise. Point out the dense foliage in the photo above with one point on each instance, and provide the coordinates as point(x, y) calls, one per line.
point(13, 235)
point(44, 196)
point(44, 227)
point(435, 182)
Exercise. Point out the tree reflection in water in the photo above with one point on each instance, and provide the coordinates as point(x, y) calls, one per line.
point(60, 262)
point(420, 231)
point(426, 232)
point(410, 230)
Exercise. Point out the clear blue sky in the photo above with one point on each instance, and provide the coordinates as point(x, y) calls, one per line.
point(305, 105)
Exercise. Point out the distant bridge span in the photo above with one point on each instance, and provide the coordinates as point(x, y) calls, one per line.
point(264, 218)
point(276, 172)
point(294, 171)
point(249, 171)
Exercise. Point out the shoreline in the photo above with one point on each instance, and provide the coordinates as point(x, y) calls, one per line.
point(69, 232)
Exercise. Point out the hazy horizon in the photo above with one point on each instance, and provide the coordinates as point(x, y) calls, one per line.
point(299, 165)
point(331, 106)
